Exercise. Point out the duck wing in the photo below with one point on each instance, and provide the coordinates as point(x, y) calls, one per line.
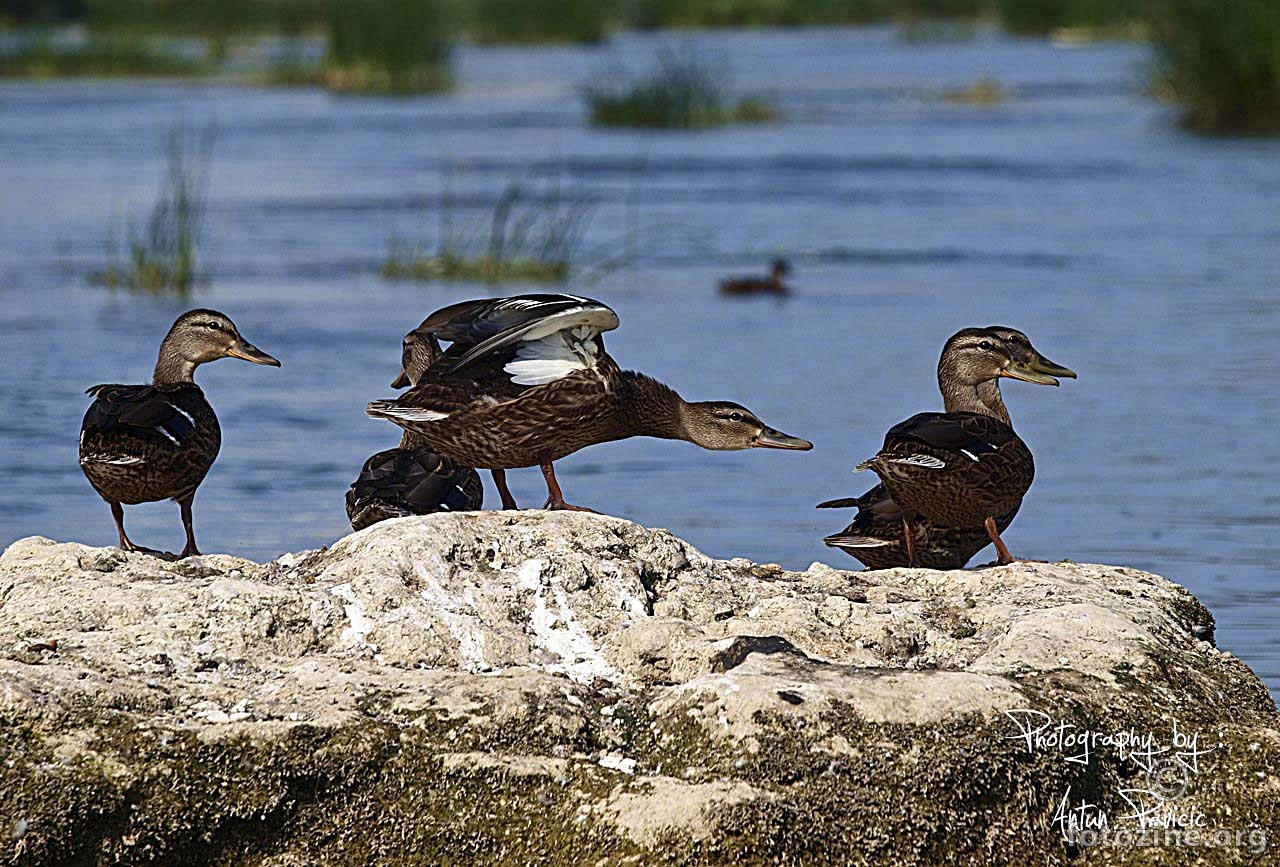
point(484, 327)
point(414, 482)
point(139, 409)
point(964, 434)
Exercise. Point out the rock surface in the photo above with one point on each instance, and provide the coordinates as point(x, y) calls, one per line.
point(574, 689)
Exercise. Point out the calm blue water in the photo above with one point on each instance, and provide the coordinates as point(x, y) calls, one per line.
point(1145, 258)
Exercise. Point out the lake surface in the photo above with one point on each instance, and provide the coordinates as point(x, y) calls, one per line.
point(1145, 258)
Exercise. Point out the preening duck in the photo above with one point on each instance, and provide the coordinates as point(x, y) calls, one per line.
point(526, 381)
point(142, 443)
point(413, 478)
point(973, 360)
point(771, 285)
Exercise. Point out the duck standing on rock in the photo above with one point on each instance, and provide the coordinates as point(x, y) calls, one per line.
point(973, 360)
point(526, 381)
point(771, 285)
point(413, 478)
point(142, 443)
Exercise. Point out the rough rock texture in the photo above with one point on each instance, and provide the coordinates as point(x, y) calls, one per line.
point(574, 689)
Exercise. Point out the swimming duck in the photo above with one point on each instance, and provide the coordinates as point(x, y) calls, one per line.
point(413, 478)
point(973, 360)
point(142, 443)
point(771, 285)
point(527, 381)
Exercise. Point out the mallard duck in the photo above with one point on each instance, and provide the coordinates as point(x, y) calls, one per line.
point(527, 381)
point(771, 285)
point(142, 443)
point(413, 478)
point(968, 376)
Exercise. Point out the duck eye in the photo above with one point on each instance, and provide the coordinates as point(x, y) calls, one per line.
point(986, 344)
point(735, 416)
point(214, 325)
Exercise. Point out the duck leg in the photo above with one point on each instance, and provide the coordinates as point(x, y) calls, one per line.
point(1003, 557)
point(117, 512)
point(555, 499)
point(500, 479)
point(191, 550)
point(909, 536)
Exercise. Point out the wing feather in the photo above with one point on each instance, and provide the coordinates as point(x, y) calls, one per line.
point(480, 328)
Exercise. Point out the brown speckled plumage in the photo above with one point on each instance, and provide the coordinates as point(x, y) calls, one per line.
point(142, 443)
point(527, 381)
point(875, 536)
point(954, 468)
point(413, 478)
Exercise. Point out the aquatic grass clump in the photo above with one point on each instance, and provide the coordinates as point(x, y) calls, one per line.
point(1041, 17)
point(985, 91)
point(389, 46)
point(681, 92)
point(162, 258)
point(100, 57)
point(1221, 61)
point(521, 240)
point(524, 21)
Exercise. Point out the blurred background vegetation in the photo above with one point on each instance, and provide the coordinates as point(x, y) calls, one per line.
point(1220, 60)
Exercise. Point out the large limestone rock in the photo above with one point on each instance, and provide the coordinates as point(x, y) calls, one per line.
point(574, 689)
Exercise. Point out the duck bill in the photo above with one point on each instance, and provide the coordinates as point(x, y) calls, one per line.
point(401, 381)
point(1029, 373)
point(1040, 364)
point(772, 439)
point(248, 352)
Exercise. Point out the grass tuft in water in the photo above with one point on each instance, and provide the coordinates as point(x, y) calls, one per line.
point(162, 258)
point(388, 46)
point(986, 91)
point(521, 240)
point(1106, 18)
point(680, 92)
point(1221, 60)
point(100, 57)
point(524, 21)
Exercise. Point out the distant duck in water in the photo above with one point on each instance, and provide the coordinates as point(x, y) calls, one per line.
point(771, 285)
point(142, 443)
point(972, 362)
point(413, 478)
point(527, 381)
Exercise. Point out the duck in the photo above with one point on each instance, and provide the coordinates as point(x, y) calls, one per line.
point(144, 443)
point(412, 478)
point(973, 361)
point(771, 285)
point(526, 381)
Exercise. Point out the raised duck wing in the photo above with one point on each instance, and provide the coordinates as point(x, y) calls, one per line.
point(480, 328)
point(138, 408)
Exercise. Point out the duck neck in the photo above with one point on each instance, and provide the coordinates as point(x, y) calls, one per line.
point(172, 367)
point(411, 440)
point(652, 408)
point(982, 398)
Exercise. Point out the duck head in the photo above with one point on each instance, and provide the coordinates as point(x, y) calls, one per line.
point(723, 426)
point(198, 337)
point(1028, 364)
point(418, 352)
point(976, 355)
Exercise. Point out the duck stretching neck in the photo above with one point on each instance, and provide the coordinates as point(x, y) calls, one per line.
point(172, 367)
point(959, 395)
point(655, 409)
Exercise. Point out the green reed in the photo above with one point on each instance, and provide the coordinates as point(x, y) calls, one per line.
point(682, 91)
point(162, 256)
